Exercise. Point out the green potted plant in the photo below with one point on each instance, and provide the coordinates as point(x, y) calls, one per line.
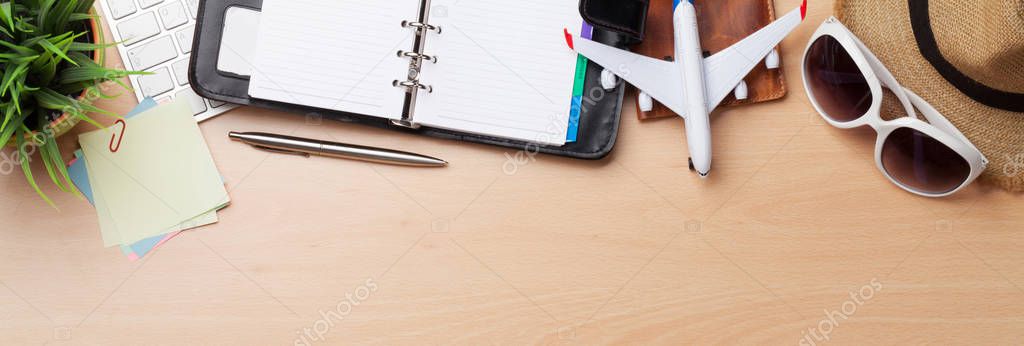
point(51, 55)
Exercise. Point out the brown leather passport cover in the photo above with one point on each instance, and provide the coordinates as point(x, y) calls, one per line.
point(722, 23)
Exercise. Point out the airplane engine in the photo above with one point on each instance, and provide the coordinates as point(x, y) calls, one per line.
point(772, 60)
point(741, 91)
point(608, 80)
point(645, 101)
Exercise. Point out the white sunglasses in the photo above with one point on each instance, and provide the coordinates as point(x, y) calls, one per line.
point(844, 81)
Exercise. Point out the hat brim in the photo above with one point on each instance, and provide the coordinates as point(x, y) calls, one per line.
point(885, 28)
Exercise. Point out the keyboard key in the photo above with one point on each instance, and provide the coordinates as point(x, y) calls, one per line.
point(198, 104)
point(139, 28)
point(173, 15)
point(152, 53)
point(157, 83)
point(120, 8)
point(185, 38)
point(149, 3)
point(193, 7)
point(180, 68)
point(157, 36)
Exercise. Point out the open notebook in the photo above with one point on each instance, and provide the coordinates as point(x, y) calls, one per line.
point(490, 67)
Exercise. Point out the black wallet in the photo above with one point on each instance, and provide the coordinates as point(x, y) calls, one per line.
point(599, 117)
point(628, 17)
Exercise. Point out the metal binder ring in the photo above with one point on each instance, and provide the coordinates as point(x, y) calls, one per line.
point(417, 56)
point(421, 26)
point(413, 85)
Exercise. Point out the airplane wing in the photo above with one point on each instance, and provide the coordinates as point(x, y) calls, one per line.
point(724, 70)
point(657, 78)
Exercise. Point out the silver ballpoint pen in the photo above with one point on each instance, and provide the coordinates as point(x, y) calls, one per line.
point(306, 147)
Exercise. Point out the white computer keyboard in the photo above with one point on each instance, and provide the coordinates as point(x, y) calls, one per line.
point(157, 37)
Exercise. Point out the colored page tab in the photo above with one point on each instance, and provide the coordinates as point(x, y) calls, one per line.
point(576, 108)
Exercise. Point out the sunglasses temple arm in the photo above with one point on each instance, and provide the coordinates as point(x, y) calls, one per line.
point(885, 77)
point(935, 118)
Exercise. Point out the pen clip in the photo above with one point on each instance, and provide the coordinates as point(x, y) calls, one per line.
point(281, 151)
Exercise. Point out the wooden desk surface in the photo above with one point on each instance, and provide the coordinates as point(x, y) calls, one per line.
point(796, 236)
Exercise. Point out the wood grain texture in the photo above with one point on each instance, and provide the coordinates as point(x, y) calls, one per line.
point(796, 224)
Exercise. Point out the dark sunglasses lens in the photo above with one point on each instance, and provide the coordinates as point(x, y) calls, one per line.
point(923, 163)
point(835, 81)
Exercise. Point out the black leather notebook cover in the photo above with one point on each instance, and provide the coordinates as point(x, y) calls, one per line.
point(599, 119)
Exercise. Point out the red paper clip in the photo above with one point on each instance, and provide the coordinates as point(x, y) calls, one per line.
point(113, 147)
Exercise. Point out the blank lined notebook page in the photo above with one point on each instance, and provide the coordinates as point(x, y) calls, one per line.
point(338, 54)
point(503, 68)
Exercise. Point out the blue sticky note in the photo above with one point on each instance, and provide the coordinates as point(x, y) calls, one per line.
point(143, 106)
point(80, 176)
point(143, 247)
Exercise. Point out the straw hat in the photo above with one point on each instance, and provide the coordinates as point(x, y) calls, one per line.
point(966, 58)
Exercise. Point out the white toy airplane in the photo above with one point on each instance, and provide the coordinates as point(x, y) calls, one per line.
point(692, 85)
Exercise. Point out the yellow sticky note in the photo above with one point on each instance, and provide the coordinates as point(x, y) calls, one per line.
point(161, 175)
point(106, 219)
